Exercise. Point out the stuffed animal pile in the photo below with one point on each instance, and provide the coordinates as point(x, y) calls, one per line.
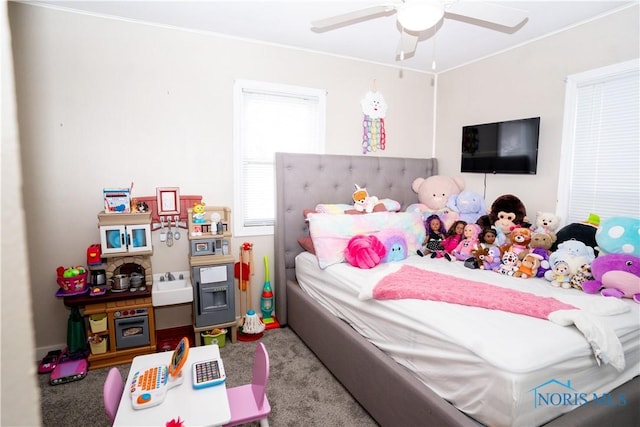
point(592, 256)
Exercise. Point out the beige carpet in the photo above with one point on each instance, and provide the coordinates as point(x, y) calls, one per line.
point(301, 390)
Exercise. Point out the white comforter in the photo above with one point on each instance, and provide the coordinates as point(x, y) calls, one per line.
point(488, 363)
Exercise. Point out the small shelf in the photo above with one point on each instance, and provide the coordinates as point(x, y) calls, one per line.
point(206, 228)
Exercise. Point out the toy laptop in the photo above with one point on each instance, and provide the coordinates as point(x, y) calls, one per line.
point(149, 387)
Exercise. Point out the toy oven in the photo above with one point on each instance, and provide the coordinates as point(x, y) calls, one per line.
point(205, 247)
point(131, 328)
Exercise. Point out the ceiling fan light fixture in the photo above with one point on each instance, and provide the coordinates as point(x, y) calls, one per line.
point(420, 16)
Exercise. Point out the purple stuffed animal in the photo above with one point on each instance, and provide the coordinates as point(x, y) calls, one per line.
point(618, 275)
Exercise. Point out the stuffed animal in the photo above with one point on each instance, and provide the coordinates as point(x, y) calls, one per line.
point(469, 205)
point(508, 264)
point(528, 266)
point(519, 242)
point(364, 251)
point(619, 235)
point(546, 222)
point(362, 201)
point(433, 195)
point(487, 257)
point(583, 274)
point(572, 249)
point(560, 274)
point(395, 244)
point(541, 244)
point(574, 253)
point(618, 274)
point(506, 212)
point(584, 232)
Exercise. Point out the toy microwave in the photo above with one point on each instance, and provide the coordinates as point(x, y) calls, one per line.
point(205, 247)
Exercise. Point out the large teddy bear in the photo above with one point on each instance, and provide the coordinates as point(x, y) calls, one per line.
point(433, 194)
point(469, 205)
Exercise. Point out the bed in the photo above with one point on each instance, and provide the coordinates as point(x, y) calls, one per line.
point(393, 395)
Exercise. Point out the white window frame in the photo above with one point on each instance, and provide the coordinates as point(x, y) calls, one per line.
point(566, 174)
point(241, 86)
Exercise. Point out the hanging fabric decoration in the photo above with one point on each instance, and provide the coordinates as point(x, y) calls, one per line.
point(375, 109)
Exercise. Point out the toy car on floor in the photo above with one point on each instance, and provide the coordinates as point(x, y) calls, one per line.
point(49, 362)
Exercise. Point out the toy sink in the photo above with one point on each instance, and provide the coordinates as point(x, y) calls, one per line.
point(171, 288)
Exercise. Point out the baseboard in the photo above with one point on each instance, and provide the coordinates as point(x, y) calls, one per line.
point(42, 351)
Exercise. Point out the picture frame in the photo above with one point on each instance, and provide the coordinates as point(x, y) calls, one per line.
point(168, 199)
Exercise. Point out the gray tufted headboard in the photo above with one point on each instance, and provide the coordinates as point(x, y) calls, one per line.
point(305, 180)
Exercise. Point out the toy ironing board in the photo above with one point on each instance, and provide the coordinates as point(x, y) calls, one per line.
point(149, 387)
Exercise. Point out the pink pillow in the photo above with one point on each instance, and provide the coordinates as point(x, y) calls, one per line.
point(364, 251)
point(307, 244)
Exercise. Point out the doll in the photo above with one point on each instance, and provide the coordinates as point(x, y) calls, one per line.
point(469, 242)
point(432, 243)
point(454, 236)
point(487, 237)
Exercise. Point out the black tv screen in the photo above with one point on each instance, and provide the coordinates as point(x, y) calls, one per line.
point(502, 147)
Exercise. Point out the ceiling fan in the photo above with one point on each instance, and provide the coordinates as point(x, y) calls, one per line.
point(415, 16)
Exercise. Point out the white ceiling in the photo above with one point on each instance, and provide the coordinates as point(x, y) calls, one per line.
point(288, 23)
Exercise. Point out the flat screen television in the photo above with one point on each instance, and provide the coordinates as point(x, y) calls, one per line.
point(509, 147)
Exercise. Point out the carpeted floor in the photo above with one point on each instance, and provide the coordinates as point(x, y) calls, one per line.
point(301, 390)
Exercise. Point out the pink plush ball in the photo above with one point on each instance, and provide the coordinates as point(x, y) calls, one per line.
point(364, 251)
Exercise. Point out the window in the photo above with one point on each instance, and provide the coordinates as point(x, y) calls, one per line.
point(599, 170)
point(269, 118)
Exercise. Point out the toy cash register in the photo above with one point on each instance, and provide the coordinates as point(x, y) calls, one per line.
point(149, 387)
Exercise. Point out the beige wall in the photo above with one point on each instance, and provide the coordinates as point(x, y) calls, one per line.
point(527, 82)
point(17, 370)
point(103, 103)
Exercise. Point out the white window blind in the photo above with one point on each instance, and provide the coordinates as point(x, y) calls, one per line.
point(269, 118)
point(600, 170)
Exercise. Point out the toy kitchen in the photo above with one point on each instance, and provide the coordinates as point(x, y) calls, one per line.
point(118, 293)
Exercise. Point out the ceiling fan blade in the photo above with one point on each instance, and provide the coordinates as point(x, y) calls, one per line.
point(407, 45)
point(489, 12)
point(349, 17)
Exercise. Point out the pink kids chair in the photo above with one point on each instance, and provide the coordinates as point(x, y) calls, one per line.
point(249, 402)
point(112, 392)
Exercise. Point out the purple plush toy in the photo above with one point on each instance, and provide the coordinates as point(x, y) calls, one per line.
point(618, 274)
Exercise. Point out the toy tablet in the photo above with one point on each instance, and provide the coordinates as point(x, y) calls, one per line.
point(208, 373)
point(149, 387)
point(72, 370)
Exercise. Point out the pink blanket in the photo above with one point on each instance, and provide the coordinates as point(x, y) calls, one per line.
point(415, 283)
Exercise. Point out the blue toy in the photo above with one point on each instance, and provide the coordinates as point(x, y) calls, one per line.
point(469, 204)
point(619, 235)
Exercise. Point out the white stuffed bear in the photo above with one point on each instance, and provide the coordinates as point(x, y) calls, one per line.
point(546, 222)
